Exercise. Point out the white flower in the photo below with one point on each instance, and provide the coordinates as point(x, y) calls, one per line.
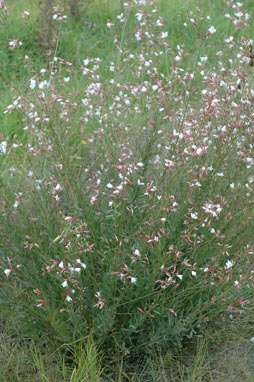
point(159, 23)
point(66, 79)
point(194, 216)
point(212, 30)
point(58, 188)
point(229, 264)
point(42, 84)
point(78, 261)
point(109, 185)
point(230, 39)
point(136, 252)
point(93, 199)
point(138, 36)
point(3, 146)
point(7, 272)
point(133, 280)
point(109, 24)
point(139, 16)
point(164, 35)
point(32, 83)
point(64, 284)
point(15, 43)
point(16, 204)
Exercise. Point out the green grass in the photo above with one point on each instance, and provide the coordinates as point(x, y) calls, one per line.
point(144, 332)
point(215, 357)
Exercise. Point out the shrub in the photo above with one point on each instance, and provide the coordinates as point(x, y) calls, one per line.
point(127, 215)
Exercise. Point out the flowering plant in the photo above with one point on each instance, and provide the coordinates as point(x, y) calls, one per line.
point(139, 233)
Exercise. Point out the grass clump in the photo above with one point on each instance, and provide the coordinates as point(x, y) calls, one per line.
point(127, 200)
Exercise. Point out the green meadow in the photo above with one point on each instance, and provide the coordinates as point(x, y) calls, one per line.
point(126, 190)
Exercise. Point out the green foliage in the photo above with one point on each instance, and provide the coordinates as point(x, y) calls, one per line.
point(126, 192)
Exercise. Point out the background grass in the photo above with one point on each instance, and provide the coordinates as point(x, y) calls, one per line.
point(208, 357)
